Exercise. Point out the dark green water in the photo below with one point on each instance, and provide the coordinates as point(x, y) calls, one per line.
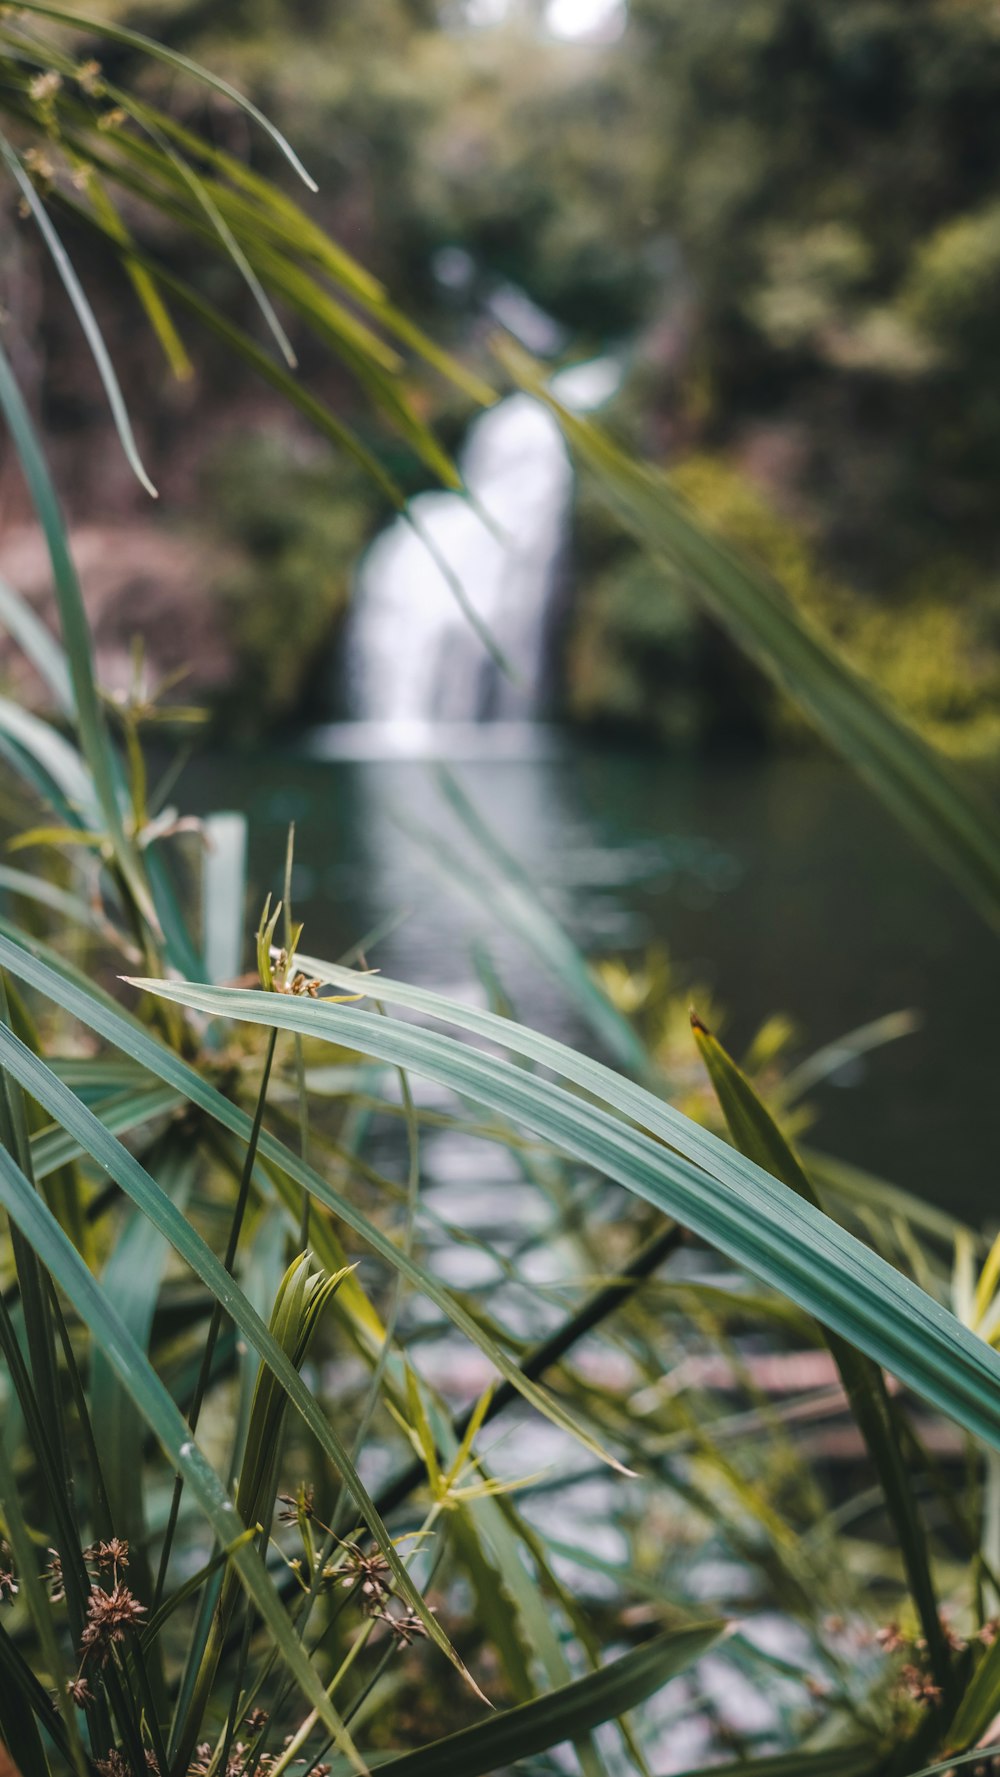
point(780, 884)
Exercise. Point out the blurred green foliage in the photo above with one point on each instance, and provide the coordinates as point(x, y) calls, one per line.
point(295, 523)
point(781, 212)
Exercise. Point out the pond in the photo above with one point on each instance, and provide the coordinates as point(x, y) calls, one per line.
point(779, 884)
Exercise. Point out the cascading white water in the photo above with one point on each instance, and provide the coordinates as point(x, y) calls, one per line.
point(413, 657)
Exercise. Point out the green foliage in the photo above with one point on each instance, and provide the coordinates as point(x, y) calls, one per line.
point(785, 213)
point(639, 656)
point(367, 1617)
point(296, 523)
point(949, 291)
point(635, 648)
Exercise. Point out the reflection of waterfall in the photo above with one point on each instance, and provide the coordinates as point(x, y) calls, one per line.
point(412, 654)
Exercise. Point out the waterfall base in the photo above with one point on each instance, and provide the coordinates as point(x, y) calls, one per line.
point(456, 742)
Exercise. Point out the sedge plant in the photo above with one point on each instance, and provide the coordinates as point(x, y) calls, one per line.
point(249, 1524)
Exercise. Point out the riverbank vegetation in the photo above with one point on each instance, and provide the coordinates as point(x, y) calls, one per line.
point(676, 1451)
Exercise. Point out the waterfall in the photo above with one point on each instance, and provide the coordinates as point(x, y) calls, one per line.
point(412, 655)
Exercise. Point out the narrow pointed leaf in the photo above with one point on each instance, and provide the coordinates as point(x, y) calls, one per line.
point(110, 1333)
point(160, 52)
point(742, 1210)
point(94, 738)
point(98, 1012)
point(84, 313)
point(563, 1714)
point(759, 1137)
point(42, 1084)
point(913, 781)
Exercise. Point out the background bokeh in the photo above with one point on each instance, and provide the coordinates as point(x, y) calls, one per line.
point(779, 215)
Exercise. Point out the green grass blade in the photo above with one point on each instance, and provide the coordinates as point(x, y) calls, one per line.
point(174, 59)
point(39, 1081)
point(562, 1714)
point(759, 1137)
point(181, 1594)
point(72, 909)
point(601, 1082)
point(742, 1210)
point(25, 1555)
point(509, 890)
point(912, 780)
point(110, 1333)
point(257, 206)
point(132, 1277)
point(22, 1699)
point(269, 213)
point(95, 742)
point(84, 313)
point(219, 225)
point(981, 1703)
point(156, 311)
point(253, 354)
point(58, 981)
point(59, 762)
point(834, 1761)
point(38, 643)
point(979, 1757)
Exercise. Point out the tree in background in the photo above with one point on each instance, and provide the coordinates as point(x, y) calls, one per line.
point(780, 212)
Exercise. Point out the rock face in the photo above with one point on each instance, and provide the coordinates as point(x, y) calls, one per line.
point(139, 581)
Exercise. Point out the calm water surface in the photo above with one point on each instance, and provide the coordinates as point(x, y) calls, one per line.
point(779, 884)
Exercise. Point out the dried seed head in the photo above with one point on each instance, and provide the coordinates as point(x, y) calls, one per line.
point(43, 87)
point(890, 1639)
point(295, 1505)
point(406, 1628)
point(918, 1686)
point(370, 1573)
point(109, 1614)
point(108, 1556)
point(112, 1766)
point(40, 166)
point(54, 1576)
point(88, 76)
point(113, 1553)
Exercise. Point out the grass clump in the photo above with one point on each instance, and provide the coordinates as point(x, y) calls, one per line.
point(297, 1473)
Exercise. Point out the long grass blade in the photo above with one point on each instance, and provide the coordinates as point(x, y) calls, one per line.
point(99, 1013)
point(94, 738)
point(23, 1547)
point(913, 781)
point(751, 1217)
point(110, 1333)
point(980, 1705)
point(84, 313)
point(160, 52)
point(38, 1080)
point(132, 1278)
point(506, 885)
point(757, 1135)
point(38, 643)
point(563, 1714)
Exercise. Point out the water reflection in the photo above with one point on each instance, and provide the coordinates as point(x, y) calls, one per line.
point(778, 884)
